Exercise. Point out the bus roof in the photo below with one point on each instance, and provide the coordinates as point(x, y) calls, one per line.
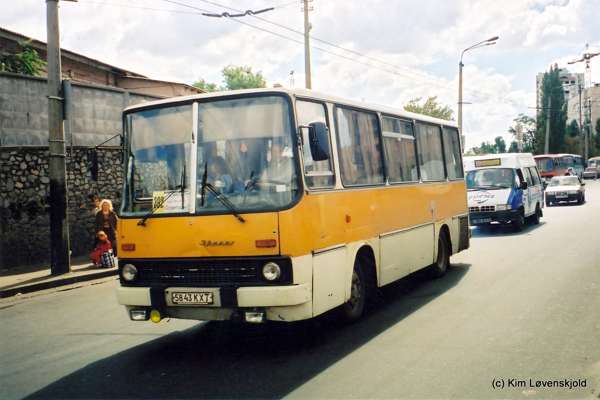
point(502, 160)
point(556, 155)
point(301, 93)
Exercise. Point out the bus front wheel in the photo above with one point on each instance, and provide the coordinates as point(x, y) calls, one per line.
point(355, 306)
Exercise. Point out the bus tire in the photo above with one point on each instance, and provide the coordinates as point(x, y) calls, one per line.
point(535, 218)
point(519, 223)
point(354, 308)
point(442, 262)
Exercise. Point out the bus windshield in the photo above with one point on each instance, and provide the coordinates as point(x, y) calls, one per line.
point(242, 159)
point(545, 164)
point(490, 178)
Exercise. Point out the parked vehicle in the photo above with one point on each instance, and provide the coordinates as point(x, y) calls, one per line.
point(593, 165)
point(565, 189)
point(503, 189)
point(591, 173)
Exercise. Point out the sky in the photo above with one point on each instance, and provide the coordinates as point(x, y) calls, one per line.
point(387, 51)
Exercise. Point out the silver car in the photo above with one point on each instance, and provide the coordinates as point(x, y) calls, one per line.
point(565, 189)
point(591, 173)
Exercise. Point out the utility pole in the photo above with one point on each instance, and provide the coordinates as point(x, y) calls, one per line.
point(60, 262)
point(581, 127)
point(460, 103)
point(307, 27)
point(548, 114)
point(588, 132)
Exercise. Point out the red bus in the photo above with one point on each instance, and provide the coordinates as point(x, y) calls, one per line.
point(551, 165)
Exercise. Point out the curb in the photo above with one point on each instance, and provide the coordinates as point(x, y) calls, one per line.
point(56, 283)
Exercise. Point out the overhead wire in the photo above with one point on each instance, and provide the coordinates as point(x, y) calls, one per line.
point(397, 70)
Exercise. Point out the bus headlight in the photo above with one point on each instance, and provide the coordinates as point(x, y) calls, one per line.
point(271, 271)
point(129, 272)
point(503, 207)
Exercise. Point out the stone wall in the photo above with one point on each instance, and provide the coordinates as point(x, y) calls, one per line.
point(24, 190)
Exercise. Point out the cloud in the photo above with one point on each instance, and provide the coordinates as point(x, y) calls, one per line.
point(418, 43)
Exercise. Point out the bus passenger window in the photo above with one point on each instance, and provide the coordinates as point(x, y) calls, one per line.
point(359, 147)
point(452, 153)
point(318, 174)
point(399, 146)
point(429, 147)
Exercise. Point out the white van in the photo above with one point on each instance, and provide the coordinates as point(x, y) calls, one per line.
point(503, 189)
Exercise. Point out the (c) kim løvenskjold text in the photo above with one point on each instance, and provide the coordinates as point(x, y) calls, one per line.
point(546, 383)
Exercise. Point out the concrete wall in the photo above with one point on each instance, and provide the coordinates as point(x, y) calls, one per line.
point(96, 112)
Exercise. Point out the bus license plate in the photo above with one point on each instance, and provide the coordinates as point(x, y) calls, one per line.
point(481, 221)
point(200, 298)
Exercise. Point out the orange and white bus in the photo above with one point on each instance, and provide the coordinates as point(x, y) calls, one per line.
point(551, 165)
point(273, 204)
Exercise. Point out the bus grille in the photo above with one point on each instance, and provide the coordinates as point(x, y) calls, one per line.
point(213, 275)
point(482, 209)
point(206, 272)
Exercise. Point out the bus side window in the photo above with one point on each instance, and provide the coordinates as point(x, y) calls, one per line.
point(359, 147)
point(528, 177)
point(429, 148)
point(318, 174)
point(452, 153)
point(520, 177)
point(534, 175)
point(400, 154)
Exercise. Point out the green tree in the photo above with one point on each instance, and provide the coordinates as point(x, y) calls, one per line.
point(206, 86)
point(430, 107)
point(27, 61)
point(596, 139)
point(514, 147)
point(573, 129)
point(500, 144)
point(242, 78)
point(234, 77)
point(528, 128)
point(486, 148)
point(553, 109)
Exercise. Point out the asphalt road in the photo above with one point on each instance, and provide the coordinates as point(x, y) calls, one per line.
point(514, 307)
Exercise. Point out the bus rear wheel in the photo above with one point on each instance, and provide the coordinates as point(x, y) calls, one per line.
point(439, 268)
point(355, 306)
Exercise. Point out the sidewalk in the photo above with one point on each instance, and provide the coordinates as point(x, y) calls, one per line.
point(12, 283)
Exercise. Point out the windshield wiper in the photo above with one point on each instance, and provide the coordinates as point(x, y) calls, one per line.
point(183, 177)
point(142, 222)
point(219, 196)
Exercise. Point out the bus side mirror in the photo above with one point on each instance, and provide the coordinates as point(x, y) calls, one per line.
point(523, 185)
point(318, 137)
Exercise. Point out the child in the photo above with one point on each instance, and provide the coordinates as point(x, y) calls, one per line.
point(102, 247)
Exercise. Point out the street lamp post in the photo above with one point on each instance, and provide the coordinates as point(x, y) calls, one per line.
point(487, 42)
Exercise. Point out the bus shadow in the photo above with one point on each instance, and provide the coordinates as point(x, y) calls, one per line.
point(226, 360)
point(504, 230)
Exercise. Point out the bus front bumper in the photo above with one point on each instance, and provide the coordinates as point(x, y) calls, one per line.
point(498, 217)
point(282, 303)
